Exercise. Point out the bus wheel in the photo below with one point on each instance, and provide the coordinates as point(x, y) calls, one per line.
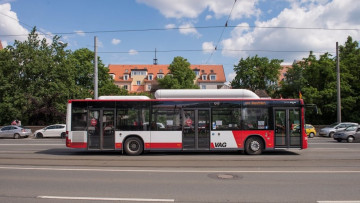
point(253, 146)
point(133, 146)
point(16, 136)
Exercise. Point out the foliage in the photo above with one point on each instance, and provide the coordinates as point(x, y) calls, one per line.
point(180, 77)
point(38, 77)
point(82, 59)
point(316, 79)
point(37, 81)
point(255, 73)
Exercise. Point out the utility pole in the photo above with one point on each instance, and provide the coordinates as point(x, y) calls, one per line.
point(338, 83)
point(95, 70)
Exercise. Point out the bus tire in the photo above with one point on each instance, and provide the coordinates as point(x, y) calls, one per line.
point(133, 146)
point(254, 146)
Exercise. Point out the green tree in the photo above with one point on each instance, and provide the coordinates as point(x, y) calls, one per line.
point(316, 79)
point(37, 80)
point(350, 77)
point(180, 77)
point(83, 61)
point(255, 73)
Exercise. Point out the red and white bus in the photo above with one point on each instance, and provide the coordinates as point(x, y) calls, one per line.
point(186, 120)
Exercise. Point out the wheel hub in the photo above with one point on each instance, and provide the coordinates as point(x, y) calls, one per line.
point(254, 146)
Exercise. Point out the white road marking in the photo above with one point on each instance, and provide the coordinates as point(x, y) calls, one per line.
point(107, 199)
point(355, 201)
point(164, 171)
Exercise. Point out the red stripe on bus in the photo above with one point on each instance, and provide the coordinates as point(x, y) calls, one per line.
point(77, 144)
point(239, 139)
point(165, 145)
point(212, 146)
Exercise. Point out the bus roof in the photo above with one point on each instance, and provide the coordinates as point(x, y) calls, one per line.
point(205, 94)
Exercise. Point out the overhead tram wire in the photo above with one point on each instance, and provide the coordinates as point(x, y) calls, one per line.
point(29, 26)
point(226, 24)
point(232, 50)
point(195, 27)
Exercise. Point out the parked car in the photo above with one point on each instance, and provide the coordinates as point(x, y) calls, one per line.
point(349, 134)
point(57, 130)
point(310, 130)
point(335, 127)
point(14, 131)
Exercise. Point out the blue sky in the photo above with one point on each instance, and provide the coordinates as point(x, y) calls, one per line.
point(268, 28)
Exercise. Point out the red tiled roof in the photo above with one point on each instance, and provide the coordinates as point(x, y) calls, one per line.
point(119, 70)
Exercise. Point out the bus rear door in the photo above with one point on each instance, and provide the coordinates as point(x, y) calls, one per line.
point(196, 129)
point(287, 127)
point(100, 129)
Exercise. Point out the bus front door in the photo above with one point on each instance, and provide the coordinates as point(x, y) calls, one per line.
point(287, 128)
point(196, 129)
point(101, 132)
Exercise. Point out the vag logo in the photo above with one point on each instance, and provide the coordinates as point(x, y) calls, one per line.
point(220, 144)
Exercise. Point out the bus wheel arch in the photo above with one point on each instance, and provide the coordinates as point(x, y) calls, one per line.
point(254, 145)
point(133, 145)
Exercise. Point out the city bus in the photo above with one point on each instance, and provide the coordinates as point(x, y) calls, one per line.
point(186, 120)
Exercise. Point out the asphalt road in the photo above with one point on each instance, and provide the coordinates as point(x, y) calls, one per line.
point(44, 170)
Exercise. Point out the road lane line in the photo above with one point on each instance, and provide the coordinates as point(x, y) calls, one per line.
point(165, 171)
point(353, 201)
point(107, 199)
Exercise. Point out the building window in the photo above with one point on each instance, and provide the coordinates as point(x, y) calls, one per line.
point(212, 77)
point(138, 82)
point(160, 76)
point(149, 87)
point(112, 76)
point(126, 70)
point(160, 71)
point(125, 87)
point(203, 77)
point(150, 77)
point(126, 77)
point(197, 73)
point(203, 86)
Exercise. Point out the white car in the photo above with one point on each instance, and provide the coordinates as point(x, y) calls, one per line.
point(57, 130)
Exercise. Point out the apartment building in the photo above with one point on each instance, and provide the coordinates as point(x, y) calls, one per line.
point(143, 78)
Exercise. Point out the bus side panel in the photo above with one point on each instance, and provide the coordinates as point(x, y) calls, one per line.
point(166, 140)
point(225, 140)
point(303, 133)
point(76, 139)
point(120, 137)
point(236, 139)
point(267, 135)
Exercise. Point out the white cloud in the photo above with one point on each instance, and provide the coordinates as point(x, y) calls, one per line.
point(115, 41)
point(133, 52)
point(10, 26)
point(306, 14)
point(208, 47)
point(170, 26)
point(188, 29)
point(80, 32)
point(208, 17)
point(192, 9)
point(231, 76)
